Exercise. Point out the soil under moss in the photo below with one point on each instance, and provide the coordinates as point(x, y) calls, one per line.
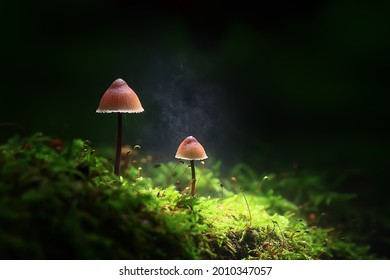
point(63, 202)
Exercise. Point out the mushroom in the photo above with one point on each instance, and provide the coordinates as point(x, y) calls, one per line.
point(190, 149)
point(119, 98)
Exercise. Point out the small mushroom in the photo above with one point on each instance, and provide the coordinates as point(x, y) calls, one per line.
point(119, 98)
point(190, 149)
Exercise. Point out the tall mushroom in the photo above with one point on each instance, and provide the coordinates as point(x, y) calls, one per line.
point(119, 98)
point(190, 149)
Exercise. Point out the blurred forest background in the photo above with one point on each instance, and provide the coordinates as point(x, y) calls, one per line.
point(282, 86)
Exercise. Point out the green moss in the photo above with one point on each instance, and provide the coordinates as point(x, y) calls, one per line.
point(61, 202)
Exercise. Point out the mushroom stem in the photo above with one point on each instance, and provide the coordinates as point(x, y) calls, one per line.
point(193, 178)
point(118, 145)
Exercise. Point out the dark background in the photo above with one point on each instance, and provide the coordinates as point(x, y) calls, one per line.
point(275, 86)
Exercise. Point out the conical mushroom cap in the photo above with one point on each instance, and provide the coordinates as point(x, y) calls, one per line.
point(191, 149)
point(119, 98)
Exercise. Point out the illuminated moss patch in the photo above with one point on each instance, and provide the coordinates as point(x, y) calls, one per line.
point(66, 203)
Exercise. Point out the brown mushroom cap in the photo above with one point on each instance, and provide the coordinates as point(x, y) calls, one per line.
point(191, 149)
point(119, 98)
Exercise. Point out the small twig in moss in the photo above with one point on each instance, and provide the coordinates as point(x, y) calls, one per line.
point(171, 174)
point(185, 170)
point(186, 187)
point(249, 210)
point(200, 176)
point(139, 178)
point(130, 161)
point(261, 184)
point(131, 157)
point(259, 187)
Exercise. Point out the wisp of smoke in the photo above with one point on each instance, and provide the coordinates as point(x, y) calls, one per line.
point(184, 104)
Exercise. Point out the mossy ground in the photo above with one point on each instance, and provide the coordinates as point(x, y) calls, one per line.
point(63, 202)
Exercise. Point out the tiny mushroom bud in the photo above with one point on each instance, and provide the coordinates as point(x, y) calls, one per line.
point(119, 98)
point(190, 149)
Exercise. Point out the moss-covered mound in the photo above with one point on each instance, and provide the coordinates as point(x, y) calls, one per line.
point(63, 202)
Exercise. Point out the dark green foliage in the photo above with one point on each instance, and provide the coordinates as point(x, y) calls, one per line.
point(63, 202)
